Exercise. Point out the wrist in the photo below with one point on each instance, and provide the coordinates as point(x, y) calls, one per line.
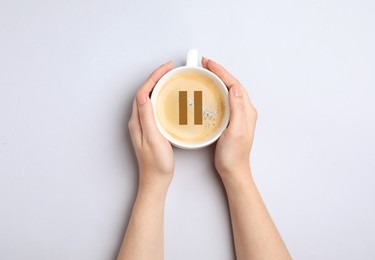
point(152, 183)
point(236, 178)
point(152, 193)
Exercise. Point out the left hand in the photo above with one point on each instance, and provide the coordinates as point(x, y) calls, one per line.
point(154, 152)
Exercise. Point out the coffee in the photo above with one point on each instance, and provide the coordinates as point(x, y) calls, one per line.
point(190, 107)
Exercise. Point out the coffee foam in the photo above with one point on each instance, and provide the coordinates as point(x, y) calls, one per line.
point(212, 107)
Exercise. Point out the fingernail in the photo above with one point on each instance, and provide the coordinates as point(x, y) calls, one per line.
point(168, 62)
point(236, 91)
point(141, 98)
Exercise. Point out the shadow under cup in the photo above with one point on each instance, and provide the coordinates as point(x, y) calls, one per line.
point(191, 107)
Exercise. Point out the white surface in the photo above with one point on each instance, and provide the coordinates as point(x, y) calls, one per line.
point(68, 73)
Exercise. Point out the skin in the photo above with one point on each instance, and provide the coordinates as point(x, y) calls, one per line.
point(144, 237)
point(255, 235)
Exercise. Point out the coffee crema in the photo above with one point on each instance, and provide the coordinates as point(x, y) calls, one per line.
point(189, 107)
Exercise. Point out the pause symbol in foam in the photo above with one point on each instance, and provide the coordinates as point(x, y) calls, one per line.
point(183, 108)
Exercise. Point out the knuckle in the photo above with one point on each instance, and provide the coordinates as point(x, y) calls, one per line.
point(252, 114)
point(138, 95)
point(131, 124)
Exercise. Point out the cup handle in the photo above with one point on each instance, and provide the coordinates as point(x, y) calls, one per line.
point(192, 58)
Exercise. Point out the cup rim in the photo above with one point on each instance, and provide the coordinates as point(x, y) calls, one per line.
point(206, 142)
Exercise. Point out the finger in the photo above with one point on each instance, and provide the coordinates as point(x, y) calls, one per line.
point(238, 98)
point(248, 104)
point(144, 106)
point(237, 109)
point(204, 62)
point(150, 83)
point(228, 79)
point(134, 125)
point(146, 117)
point(222, 73)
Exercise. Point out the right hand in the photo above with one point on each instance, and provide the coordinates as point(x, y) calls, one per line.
point(154, 152)
point(234, 146)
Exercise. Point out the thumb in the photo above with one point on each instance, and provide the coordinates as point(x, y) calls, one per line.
point(237, 108)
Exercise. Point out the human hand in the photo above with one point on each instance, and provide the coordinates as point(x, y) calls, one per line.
point(234, 146)
point(154, 152)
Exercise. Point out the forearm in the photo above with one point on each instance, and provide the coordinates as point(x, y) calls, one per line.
point(255, 235)
point(145, 232)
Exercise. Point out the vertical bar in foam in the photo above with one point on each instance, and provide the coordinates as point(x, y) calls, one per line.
point(182, 100)
point(198, 120)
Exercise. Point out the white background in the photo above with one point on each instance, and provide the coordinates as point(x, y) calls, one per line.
point(68, 74)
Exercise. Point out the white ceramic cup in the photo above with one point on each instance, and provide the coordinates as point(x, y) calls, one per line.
point(192, 66)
